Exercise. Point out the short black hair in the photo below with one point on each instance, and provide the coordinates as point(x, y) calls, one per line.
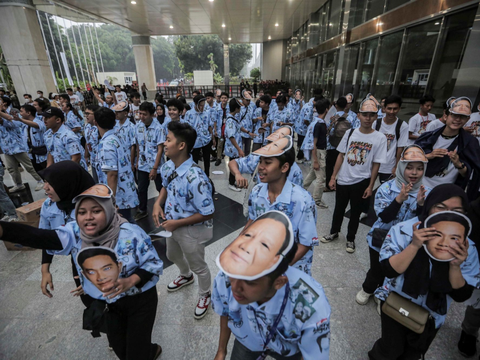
point(281, 99)
point(284, 264)
point(197, 99)
point(135, 95)
point(196, 92)
point(287, 157)
point(224, 94)
point(105, 118)
point(342, 102)
point(426, 98)
point(147, 106)
point(40, 91)
point(42, 103)
point(30, 109)
point(233, 105)
point(266, 99)
point(322, 106)
point(93, 107)
point(7, 100)
point(69, 89)
point(318, 91)
point(30, 96)
point(209, 94)
point(176, 103)
point(183, 132)
point(94, 251)
point(393, 99)
point(182, 99)
point(65, 96)
point(187, 107)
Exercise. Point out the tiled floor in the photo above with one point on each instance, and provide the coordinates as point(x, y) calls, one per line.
point(35, 327)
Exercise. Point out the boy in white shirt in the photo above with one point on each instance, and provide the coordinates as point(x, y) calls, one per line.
point(356, 178)
point(119, 94)
point(417, 124)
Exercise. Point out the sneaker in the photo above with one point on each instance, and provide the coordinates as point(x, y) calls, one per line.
point(350, 247)
point(212, 159)
point(379, 305)
point(158, 352)
point(39, 186)
point(362, 297)
point(140, 215)
point(329, 238)
point(467, 346)
point(180, 282)
point(363, 216)
point(202, 306)
point(17, 188)
point(321, 205)
point(218, 162)
point(301, 161)
point(5, 218)
point(234, 188)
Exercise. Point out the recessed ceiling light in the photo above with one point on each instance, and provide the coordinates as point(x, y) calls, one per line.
point(269, 38)
point(437, 23)
point(133, 2)
point(276, 24)
point(223, 25)
point(210, 0)
point(171, 26)
point(229, 38)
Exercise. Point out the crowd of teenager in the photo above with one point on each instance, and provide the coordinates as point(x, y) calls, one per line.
point(96, 163)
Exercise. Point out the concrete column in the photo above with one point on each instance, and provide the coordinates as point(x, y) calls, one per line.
point(273, 59)
point(143, 53)
point(226, 65)
point(24, 48)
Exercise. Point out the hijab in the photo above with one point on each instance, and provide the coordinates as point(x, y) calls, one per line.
point(419, 278)
point(400, 173)
point(68, 179)
point(108, 237)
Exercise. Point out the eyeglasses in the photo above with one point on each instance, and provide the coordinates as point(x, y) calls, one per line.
point(441, 207)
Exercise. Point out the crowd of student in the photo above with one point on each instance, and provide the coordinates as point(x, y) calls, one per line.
point(422, 256)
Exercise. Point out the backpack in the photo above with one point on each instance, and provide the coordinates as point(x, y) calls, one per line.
point(378, 125)
point(339, 130)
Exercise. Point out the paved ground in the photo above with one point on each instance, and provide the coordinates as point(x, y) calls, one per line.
point(33, 326)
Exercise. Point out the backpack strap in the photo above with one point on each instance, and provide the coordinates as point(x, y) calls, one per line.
point(378, 124)
point(349, 134)
point(397, 129)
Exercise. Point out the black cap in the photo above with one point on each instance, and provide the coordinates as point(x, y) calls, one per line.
point(53, 111)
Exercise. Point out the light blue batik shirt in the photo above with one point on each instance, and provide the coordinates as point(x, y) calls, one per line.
point(148, 140)
point(63, 144)
point(51, 217)
point(12, 140)
point(232, 130)
point(282, 116)
point(72, 121)
point(91, 137)
point(200, 122)
point(304, 326)
point(305, 114)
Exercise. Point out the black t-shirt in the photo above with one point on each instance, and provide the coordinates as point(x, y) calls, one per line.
point(320, 133)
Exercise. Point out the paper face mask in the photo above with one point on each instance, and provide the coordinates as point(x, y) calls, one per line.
point(121, 106)
point(276, 148)
point(349, 98)
point(279, 133)
point(259, 249)
point(96, 191)
point(414, 153)
point(461, 106)
point(246, 95)
point(368, 106)
point(100, 266)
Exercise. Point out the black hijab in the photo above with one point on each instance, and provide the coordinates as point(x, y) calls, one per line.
point(418, 278)
point(68, 179)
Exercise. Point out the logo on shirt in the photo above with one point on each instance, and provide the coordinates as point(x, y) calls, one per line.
point(358, 152)
point(423, 126)
point(305, 297)
point(390, 138)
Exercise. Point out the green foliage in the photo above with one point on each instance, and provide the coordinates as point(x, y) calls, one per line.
point(188, 76)
point(217, 78)
point(5, 72)
point(193, 53)
point(255, 73)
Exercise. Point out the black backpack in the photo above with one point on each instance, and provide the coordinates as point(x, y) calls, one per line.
point(378, 125)
point(339, 131)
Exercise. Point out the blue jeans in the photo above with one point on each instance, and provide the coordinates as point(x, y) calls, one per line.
point(6, 205)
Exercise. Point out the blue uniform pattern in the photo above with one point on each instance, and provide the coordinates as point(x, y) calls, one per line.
point(299, 206)
point(307, 145)
point(134, 250)
point(91, 137)
point(304, 326)
point(112, 156)
point(398, 238)
point(51, 217)
point(282, 116)
point(385, 195)
point(200, 122)
point(126, 134)
point(63, 145)
point(305, 114)
point(245, 115)
point(11, 138)
point(148, 140)
point(262, 137)
point(72, 121)
point(219, 117)
point(37, 137)
point(232, 129)
point(189, 193)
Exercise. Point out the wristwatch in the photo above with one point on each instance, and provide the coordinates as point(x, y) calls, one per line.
point(461, 167)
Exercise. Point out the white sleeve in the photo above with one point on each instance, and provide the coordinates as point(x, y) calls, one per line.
point(380, 154)
point(412, 124)
point(403, 141)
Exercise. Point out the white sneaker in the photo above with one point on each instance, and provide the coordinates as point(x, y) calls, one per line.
point(202, 306)
point(362, 297)
point(379, 305)
point(300, 161)
point(17, 188)
point(5, 218)
point(363, 216)
point(39, 186)
point(321, 205)
point(234, 188)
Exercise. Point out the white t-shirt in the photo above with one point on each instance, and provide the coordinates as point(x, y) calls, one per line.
point(361, 152)
point(434, 125)
point(74, 100)
point(417, 125)
point(121, 96)
point(134, 112)
point(474, 120)
point(392, 143)
point(449, 174)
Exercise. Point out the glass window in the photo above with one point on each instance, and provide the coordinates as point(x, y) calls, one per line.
point(335, 16)
point(458, 27)
point(357, 11)
point(313, 31)
point(325, 10)
point(328, 74)
point(388, 59)
point(309, 75)
point(392, 4)
point(375, 8)
point(365, 80)
point(350, 69)
point(418, 55)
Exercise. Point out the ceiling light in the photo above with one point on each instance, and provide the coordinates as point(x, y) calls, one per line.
point(223, 25)
point(210, 0)
point(229, 39)
point(269, 38)
point(171, 26)
point(133, 2)
point(276, 24)
point(437, 23)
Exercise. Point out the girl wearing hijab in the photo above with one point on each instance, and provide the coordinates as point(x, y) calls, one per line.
point(395, 201)
point(62, 182)
point(423, 275)
point(132, 298)
point(160, 112)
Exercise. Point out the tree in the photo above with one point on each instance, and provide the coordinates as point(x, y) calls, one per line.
point(255, 73)
point(193, 53)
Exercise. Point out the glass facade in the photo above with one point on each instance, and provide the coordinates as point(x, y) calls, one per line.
point(413, 60)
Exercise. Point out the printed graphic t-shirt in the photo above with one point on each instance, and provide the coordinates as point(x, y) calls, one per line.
point(449, 174)
point(392, 143)
point(361, 151)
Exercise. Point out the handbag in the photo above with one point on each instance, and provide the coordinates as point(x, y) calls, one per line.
point(39, 150)
point(406, 313)
point(378, 237)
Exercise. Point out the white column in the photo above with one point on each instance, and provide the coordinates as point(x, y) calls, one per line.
point(24, 49)
point(144, 61)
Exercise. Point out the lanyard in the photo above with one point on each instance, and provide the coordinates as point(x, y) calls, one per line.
point(273, 329)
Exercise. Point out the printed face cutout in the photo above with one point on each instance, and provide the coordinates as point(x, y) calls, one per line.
point(259, 249)
point(450, 100)
point(246, 95)
point(461, 106)
point(349, 98)
point(279, 133)
point(100, 266)
point(368, 106)
point(98, 191)
point(414, 153)
point(276, 148)
point(121, 106)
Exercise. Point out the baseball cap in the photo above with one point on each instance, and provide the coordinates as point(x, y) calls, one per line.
point(53, 111)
